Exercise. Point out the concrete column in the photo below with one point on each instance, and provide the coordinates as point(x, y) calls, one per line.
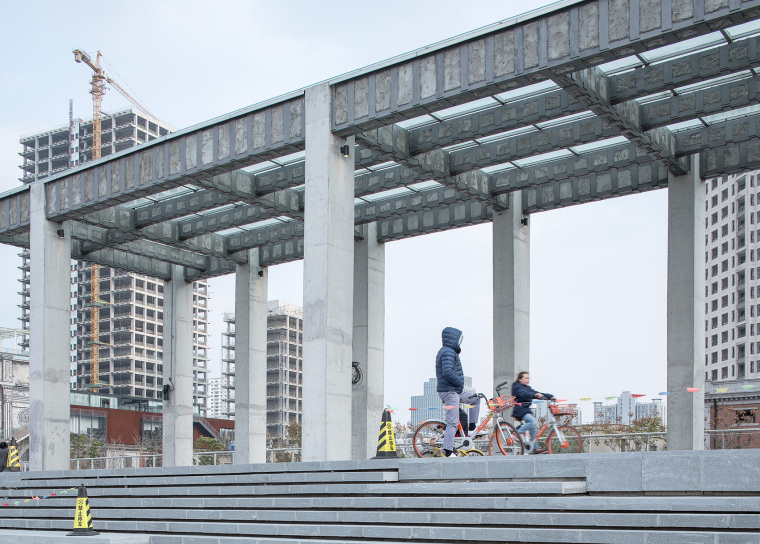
point(250, 361)
point(511, 292)
point(50, 262)
point(328, 285)
point(178, 370)
point(369, 343)
point(686, 307)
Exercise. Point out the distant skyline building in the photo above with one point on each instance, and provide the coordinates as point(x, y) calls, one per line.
point(217, 401)
point(429, 405)
point(627, 408)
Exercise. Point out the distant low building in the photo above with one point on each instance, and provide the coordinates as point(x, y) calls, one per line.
point(628, 408)
point(731, 410)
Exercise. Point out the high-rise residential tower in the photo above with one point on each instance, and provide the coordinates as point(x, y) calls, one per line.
point(284, 365)
point(732, 277)
point(131, 320)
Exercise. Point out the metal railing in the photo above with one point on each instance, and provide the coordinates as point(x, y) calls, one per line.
point(592, 443)
point(127, 460)
point(612, 443)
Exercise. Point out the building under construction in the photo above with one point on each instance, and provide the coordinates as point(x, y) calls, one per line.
point(284, 365)
point(130, 323)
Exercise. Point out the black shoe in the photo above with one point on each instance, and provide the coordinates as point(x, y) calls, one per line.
point(447, 453)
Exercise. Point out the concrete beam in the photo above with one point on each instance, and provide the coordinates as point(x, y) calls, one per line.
point(594, 186)
point(445, 217)
point(729, 159)
point(493, 120)
point(264, 235)
point(533, 143)
point(718, 134)
point(284, 251)
point(552, 41)
point(686, 106)
point(124, 260)
point(14, 211)
point(618, 158)
point(685, 70)
point(96, 238)
point(591, 85)
point(179, 206)
point(191, 156)
point(394, 206)
point(387, 178)
point(119, 222)
point(393, 141)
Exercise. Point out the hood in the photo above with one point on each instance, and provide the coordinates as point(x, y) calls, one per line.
point(452, 338)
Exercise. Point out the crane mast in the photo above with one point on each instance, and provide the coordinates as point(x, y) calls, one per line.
point(97, 90)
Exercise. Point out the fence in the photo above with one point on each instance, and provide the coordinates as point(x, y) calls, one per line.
point(274, 455)
point(593, 443)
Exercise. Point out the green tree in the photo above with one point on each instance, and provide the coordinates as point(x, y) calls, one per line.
point(84, 447)
point(292, 439)
point(205, 443)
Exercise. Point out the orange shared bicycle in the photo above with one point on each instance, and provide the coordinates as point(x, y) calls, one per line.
point(561, 438)
point(501, 439)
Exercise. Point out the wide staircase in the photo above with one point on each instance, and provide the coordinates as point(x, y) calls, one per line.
point(659, 497)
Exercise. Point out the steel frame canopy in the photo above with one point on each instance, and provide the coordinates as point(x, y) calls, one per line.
point(580, 101)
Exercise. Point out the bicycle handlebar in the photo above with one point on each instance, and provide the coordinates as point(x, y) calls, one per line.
point(502, 384)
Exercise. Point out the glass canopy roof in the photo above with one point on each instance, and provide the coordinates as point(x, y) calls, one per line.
point(620, 66)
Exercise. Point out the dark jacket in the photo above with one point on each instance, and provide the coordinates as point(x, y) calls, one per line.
point(524, 395)
point(3, 458)
point(448, 367)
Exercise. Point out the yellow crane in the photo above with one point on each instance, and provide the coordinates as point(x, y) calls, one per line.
point(98, 84)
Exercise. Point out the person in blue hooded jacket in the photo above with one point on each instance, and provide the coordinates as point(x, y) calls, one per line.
point(450, 377)
point(524, 396)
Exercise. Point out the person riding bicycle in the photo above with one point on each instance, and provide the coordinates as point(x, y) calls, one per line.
point(450, 377)
point(524, 396)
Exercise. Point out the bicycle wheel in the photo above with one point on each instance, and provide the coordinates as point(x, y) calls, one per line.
point(572, 443)
point(505, 441)
point(473, 453)
point(428, 439)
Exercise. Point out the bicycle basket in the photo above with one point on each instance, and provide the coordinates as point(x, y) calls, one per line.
point(563, 409)
point(499, 404)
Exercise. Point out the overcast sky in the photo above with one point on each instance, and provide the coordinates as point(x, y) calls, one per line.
point(598, 271)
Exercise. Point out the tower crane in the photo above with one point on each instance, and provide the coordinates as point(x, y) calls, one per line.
point(98, 84)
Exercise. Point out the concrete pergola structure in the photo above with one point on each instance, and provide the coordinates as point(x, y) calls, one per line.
point(581, 101)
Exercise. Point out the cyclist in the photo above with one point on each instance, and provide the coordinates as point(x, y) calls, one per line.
point(450, 377)
point(524, 396)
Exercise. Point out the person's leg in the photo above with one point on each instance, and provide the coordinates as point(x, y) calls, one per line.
point(474, 400)
point(529, 424)
point(450, 398)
